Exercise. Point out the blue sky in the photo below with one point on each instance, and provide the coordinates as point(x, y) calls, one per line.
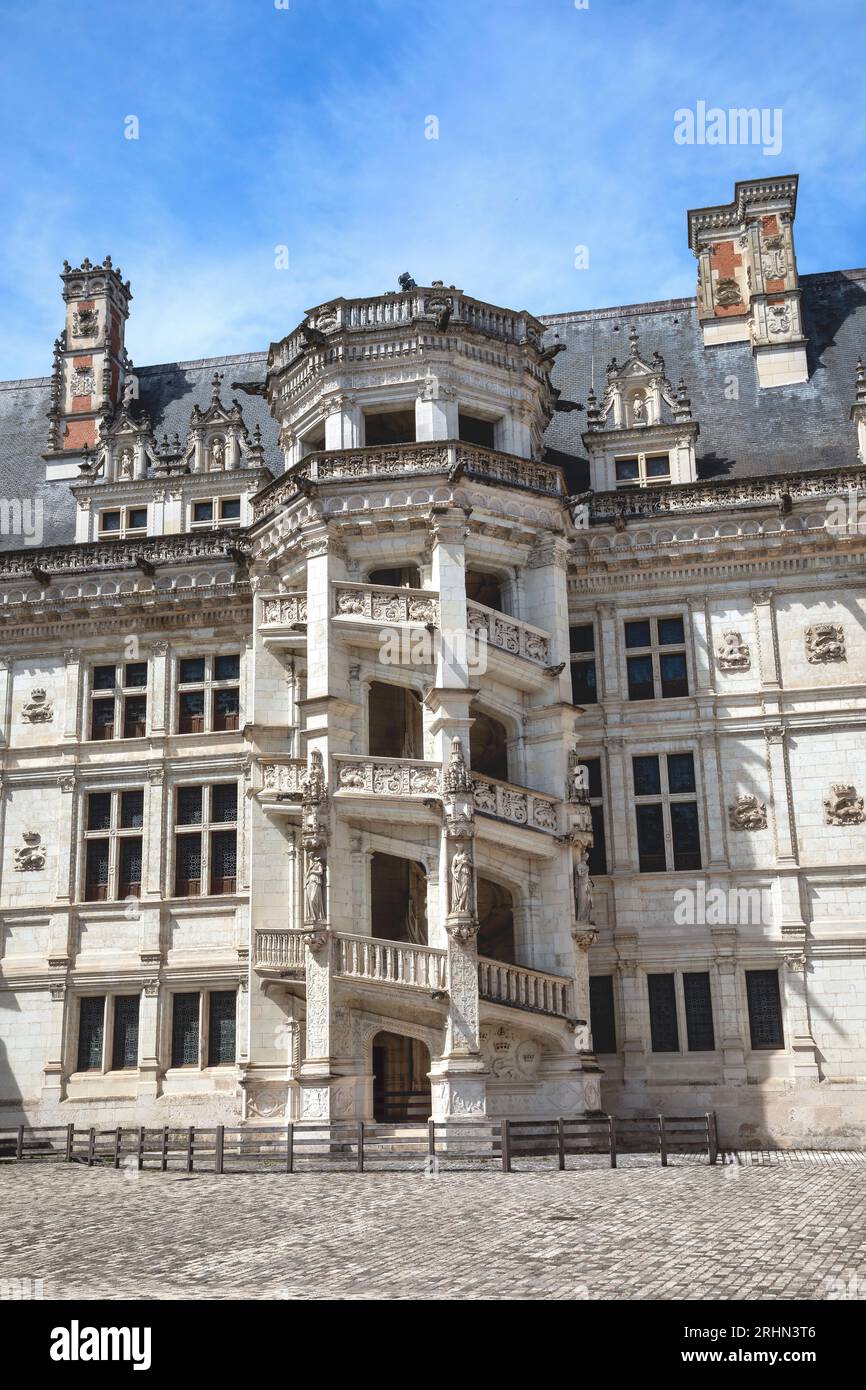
point(305, 127)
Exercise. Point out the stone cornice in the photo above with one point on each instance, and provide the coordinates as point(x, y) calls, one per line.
point(722, 494)
point(94, 556)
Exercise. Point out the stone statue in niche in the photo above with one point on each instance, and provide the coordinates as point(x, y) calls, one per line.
point(583, 890)
point(218, 453)
point(825, 642)
point(38, 709)
point(314, 889)
point(842, 805)
point(578, 781)
point(125, 466)
point(733, 653)
point(461, 881)
point(748, 813)
point(31, 855)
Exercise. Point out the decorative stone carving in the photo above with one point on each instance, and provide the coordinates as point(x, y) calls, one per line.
point(796, 961)
point(842, 805)
point(733, 653)
point(462, 882)
point(748, 813)
point(38, 709)
point(825, 642)
point(456, 777)
point(583, 890)
point(288, 608)
point(584, 939)
point(82, 381)
point(85, 323)
point(510, 1055)
point(314, 889)
point(577, 785)
point(267, 1102)
point(31, 855)
point(281, 777)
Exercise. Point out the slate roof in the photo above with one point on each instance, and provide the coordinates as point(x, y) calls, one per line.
point(781, 429)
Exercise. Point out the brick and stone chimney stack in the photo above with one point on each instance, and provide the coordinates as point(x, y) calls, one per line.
point(89, 356)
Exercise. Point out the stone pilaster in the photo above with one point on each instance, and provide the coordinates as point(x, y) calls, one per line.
point(729, 1023)
point(634, 1011)
point(798, 1023)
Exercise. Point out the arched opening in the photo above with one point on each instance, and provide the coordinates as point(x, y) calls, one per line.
point(398, 899)
point(402, 577)
point(488, 747)
point(485, 588)
point(394, 722)
point(401, 1080)
point(496, 922)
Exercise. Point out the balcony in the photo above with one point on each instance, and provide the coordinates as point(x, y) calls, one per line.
point(280, 952)
point(394, 963)
point(283, 622)
point(508, 634)
point(391, 777)
point(361, 611)
point(279, 781)
point(518, 806)
point(519, 988)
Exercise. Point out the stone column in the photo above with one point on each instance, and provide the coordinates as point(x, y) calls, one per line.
point(158, 713)
point(71, 698)
point(729, 1025)
point(607, 657)
point(711, 777)
point(53, 1075)
point(545, 595)
point(148, 1041)
point(584, 937)
point(5, 699)
point(436, 413)
point(634, 1012)
point(343, 423)
point(798, 1025)
point(780, 791)
point(768, 639)
point(316, 1073)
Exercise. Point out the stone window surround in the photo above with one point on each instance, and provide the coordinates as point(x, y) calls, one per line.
point(683, 1049)
point(643, 480)
point(666, 798)
point(204, 829)
point(106, 1070)
point(656, 649)
point(165, 1030)
point(120, 692)
point(208, 685)
point(216, 521)
point(114, 834)
point(125, 530)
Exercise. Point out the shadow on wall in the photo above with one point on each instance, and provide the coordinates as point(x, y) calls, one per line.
point(11, 1099)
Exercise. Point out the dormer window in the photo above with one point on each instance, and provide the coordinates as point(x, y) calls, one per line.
point(120, 522)
point(215, 511)
point(643, 470)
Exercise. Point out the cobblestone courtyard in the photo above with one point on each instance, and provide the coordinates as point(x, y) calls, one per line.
point(690, 1231)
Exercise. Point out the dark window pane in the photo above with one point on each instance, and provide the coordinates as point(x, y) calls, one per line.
point(99, 811)
point(227, 668)
point(598, 853)
point(132, 810)
point(681, 772)
point(699, 1011)
point(224, 801)
point(96, 871)
point(202, 511)
point(583, 686)
point(137, 518)
point(671, 633)
point(109, 521)
point(659, 467)
point(593, 767)
point(647, 778)
point(189, 805)
point(582, 638)
point(191, 712)
point(135, 716)
point(626, 470)
point(663, 1013)
point(640, 678)
point(124, 1052)
point(765, 1008)
point(130, 867)
point(230, 508)
point(135, 673)
point(223, 861)
point(102, 719)
point(673, 673)
point(221, 1028)
point(601, 1013)
point(650, 839)
point(91, 1024)
point(187, 875)
point(686, 836)
point(191, 670)
point(226, 705)
point(637, 634)
point(104, 677)
point(184, 1030)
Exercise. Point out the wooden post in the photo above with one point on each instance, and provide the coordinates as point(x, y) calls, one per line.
point(141, 1148)
point(70, 1142)
point(663, 1142)
point(506, 1146)
point(19, 1143)
point(164, 1147)
point(189, 1148)
point(91, 1146)
point(712, 1136)
point(218, 1148)
point(117, 1138)
point(611, 1123)
point(431, 1138)
point(560, 1142)
point(360, 1146)
point(290, 1147)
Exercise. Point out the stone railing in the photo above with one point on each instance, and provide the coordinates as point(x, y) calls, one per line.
point(536, 810)
point(525, 989)
point(280, 610)
point(406, 461)
point(390, 962)
point(386, 776)
point(281, 776)
point(723, 493)
point(280, 949)
point(509, 634)
point(385, 603)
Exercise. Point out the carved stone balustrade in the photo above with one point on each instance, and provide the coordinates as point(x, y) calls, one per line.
point(279, 778)
point(534, 810)
point(284, 620)
point(509, 634)
point(401, 777)
point(280, 950)
point(384, 604)
point(390, 962)
point(537, 990)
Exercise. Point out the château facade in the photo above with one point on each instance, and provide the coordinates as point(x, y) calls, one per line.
point(449, 712)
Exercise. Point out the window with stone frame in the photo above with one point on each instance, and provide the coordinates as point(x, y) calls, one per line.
point(656, 658)
point(642, 470)
point(205, 840)
point(113, 845)
point(208, 693)
point(118, 700)
point(119, 523)
point(765, 1009)
point(598, 852)
point(204, 1028)
point(584, 686)
point(664, 1030)
point(680, 995)
point(666, 810)
point(602, 1015)
point(207, 513)
point(108, 1032)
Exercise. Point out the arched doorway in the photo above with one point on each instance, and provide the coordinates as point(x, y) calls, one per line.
point(401, 1081)
point(394, 722)
point(488, 747)
point(398, 899)
point(483, 587)
point(496, 922)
